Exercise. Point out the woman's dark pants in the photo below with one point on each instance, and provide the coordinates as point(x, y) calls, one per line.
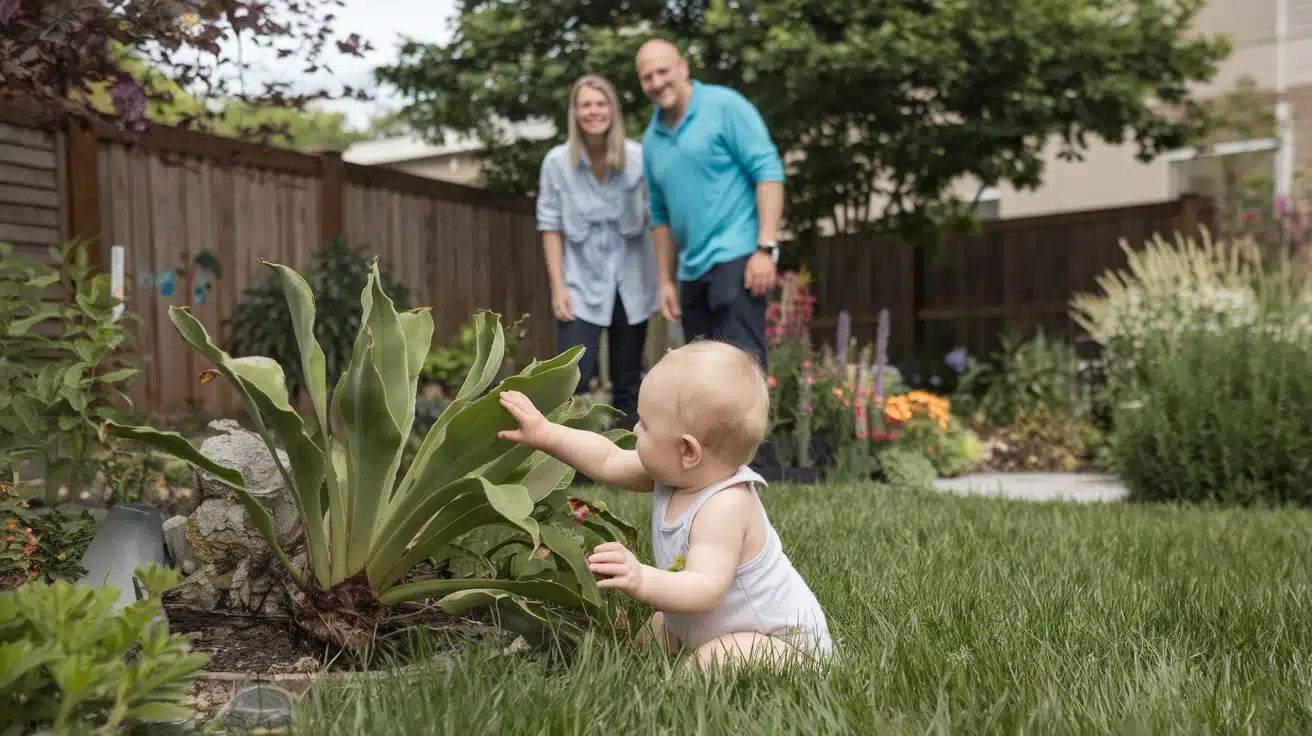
point(626, 343)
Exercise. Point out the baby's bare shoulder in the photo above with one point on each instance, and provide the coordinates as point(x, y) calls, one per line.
point(732, 501)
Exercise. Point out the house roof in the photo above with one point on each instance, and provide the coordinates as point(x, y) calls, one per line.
point(413, 148)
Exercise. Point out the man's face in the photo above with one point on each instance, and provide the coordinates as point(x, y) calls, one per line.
point(663, 75)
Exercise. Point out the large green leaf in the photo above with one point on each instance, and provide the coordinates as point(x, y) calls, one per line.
point(490, 345)
point(19, 327)
point(418, 327)
point(390, 356)
point(300, 302)
point(489, 354)
point(566, 550)
point(266, 384)
point(443, 516)
point(372, 439)
point(471, 438)
point(543, 590)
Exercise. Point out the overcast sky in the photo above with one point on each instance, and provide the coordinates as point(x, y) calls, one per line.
point(383, 23)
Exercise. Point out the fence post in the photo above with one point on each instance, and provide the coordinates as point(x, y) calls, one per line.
point(918, 275)
point(332, 197)
point(1191, 214)
point(82, 159)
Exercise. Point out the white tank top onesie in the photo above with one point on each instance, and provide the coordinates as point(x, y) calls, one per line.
point(767, 595)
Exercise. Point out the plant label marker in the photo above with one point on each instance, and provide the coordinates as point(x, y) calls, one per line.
point(117, 255)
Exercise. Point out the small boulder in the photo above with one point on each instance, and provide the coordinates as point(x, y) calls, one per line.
point(246, 452)
point(175, 540)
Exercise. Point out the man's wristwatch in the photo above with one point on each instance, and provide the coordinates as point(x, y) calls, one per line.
point(772, 248)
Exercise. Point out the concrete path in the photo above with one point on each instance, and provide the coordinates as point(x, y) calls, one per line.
point(1075, 487)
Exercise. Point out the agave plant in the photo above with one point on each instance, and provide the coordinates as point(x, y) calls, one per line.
point(365, 529)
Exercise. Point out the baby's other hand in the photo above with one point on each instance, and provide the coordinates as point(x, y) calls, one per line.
point(533, 427)
point(616, 561)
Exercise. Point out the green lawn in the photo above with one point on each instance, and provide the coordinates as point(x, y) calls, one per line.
point(954, 615)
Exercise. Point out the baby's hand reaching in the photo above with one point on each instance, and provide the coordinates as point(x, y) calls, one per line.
point(533, 427)
point(622, 567)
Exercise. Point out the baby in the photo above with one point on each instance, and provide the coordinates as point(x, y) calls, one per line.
point(722, 586)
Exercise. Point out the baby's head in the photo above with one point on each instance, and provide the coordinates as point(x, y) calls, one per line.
point(702, 413)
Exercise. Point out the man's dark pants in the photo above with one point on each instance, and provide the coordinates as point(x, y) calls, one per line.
point(718, 306)
point(626, 343)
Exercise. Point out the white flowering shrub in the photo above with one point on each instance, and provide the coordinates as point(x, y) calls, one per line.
point(1169, 290)
point(1207, 352)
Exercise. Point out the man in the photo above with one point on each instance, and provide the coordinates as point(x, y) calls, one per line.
point(715, 183)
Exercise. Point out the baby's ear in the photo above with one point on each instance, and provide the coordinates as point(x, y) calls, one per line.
point(690, 452)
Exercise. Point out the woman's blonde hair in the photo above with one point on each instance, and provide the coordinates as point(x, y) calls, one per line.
point(614, 137)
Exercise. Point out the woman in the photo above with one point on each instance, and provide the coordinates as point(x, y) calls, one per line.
point(592, 213)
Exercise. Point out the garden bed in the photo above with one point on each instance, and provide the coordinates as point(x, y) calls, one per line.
point(253, 644)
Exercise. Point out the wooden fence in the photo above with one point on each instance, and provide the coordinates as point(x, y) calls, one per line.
point(182, 193)
point(461, 249)
point(1019, 273)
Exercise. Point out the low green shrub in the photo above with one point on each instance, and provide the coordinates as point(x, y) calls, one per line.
point(906, 468)
point(62, 368)
point(1220, 415)
point(1025, 375)
point(70, 662)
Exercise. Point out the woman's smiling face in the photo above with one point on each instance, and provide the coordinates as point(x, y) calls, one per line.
point(592, 110)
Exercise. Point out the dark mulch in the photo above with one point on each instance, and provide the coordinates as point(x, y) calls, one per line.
point(1007, 451)
point(237, 643)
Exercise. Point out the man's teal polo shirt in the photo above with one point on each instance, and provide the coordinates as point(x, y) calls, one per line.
point(702, 176)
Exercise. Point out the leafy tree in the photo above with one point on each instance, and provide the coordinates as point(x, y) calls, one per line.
point(169, 104)
point(882, 107)
point(61, 56)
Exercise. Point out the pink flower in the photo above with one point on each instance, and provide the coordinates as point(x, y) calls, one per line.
point(771, 382)
point(578, 510)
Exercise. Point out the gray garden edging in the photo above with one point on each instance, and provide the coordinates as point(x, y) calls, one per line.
point(1068, 487)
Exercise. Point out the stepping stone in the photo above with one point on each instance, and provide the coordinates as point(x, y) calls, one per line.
point(1072, 487)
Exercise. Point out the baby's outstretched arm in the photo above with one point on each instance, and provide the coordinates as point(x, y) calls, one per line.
point(715, 544)
point(589, 452)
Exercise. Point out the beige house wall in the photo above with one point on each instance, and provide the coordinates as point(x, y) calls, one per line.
point(1110, 176)
point(459, 168)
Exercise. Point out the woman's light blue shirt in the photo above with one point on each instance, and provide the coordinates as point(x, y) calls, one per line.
point(605, 230)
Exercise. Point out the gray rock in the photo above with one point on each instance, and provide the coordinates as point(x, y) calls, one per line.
point(221, 533)
point(202, 589)
point(180, 552)
point(245, 452)
point(255, 586)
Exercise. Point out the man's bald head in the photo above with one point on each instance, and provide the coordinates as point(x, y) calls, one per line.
point(664, 76)
point(658, 47)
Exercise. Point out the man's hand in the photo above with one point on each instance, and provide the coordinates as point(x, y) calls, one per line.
point(621, 565)
point(670, 301)
point(760, 275)
point(533, 427)
point(563, 305)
